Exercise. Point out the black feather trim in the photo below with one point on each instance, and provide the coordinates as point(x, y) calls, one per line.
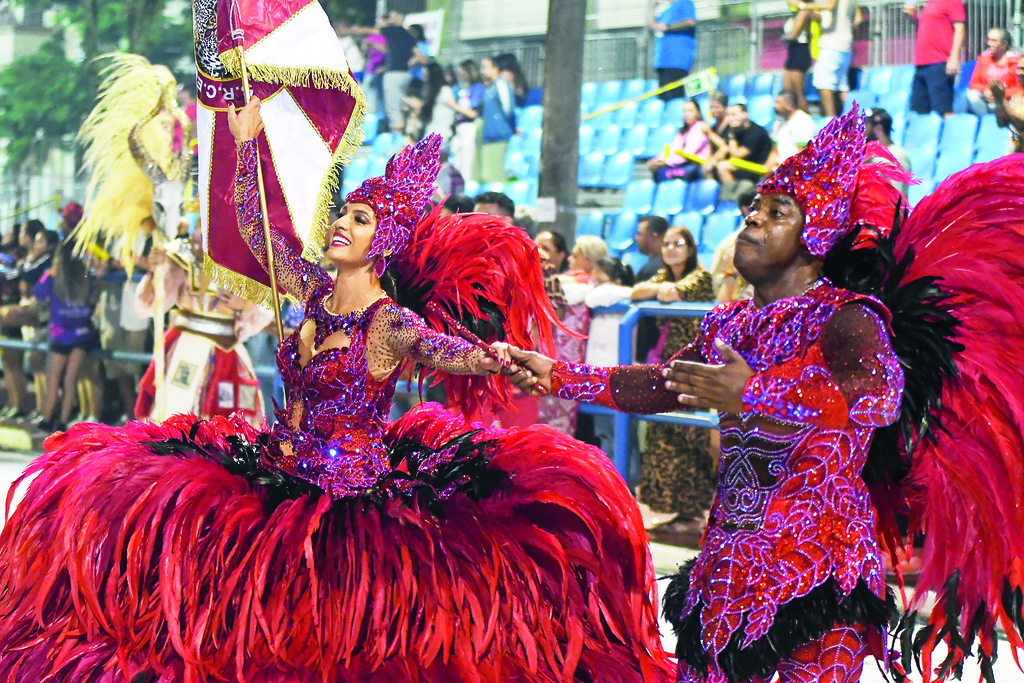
point(923, 338)
point(797, 622)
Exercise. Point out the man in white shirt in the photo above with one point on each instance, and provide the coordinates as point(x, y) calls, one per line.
point(793, 127)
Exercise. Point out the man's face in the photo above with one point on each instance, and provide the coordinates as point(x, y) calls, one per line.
point(646, 241)
point(871, 129)
point(738, 117)
point(996, 44)
point(492, 209)
point(782, 107)
point(489, 71)
point(717, 110)
point(770, 239)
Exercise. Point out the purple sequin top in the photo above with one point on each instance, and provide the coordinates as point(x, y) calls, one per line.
point(331, 433)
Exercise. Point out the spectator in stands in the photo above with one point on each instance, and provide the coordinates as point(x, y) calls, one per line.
point(940, 35)
point(650, 231)
point(36, 264)
point(12, 255)
point(589, 249)
point(691, 139)
point(996, 63)
point(400, 44)
point(457, 203)
point(353, 51)
point(554, 252)
point(746, 141)
point(797, 35)
point(71, 216)
point(718, 104)
point(879, 129)
point(499, 123)
point(613, 281)
point(449, 178)
point(375, 48)
point(728, 283)
point(675, 43)
point(1010, 111)
point(678, 479)
point(496, 204)
point(512, 72)
point(469, 97)
point(433, 111)
point(793, 127)
point(420, 52)
point(835, 48)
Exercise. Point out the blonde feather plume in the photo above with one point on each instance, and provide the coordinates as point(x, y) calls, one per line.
point(120, 194)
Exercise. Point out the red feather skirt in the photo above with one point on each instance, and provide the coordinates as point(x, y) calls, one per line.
point(136, 555)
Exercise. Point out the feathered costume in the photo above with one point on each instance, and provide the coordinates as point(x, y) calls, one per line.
point(891, 385)
point(339, 547)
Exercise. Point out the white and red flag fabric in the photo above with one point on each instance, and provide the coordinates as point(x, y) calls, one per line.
point(312, 111)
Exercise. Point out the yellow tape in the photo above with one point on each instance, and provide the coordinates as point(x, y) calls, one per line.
point(665, 88)
point(55, 200)
point(736, 162)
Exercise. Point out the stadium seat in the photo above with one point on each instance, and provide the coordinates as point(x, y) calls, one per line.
point(516, 143)
point(607, 141)
point(625, 116)
point(658, 137)
point(728, 207)
point(370, 126)
point(534, 97)
point(376, 166)
point(918, 192)
point(588, 96)
point(634, 140)
point(634, 259)
point(923, 130)
point(820, 122)
point(533, 167)
point(702, 196)
point(602, 121)
point(902, 78)
point(691, 220)
point(990, 135)
point(959, 131)
point(590, 223)
point(651, 110)
point(717, 227)
point(618, 170)
point(387, 144)
point(951, 162)
point(922, 162)
point(735, 87)
point(704, 104)
point(531, 143)
point(472, 188)
point(877, 80)
point(609, 93)
point(669, 197)
point(864, 99)
point(356, 171)
point(763, 84)
point(516, 165)
point(963, 79)
point(520, 192)
point(586, 139)
point(622, 231)
point(673, 114)
point(633, 88)
point(639, 197)
point(652, 84)
point(987, 154)
point(530, 119)
point(761, 110)
point(895, 102)
point(591, 166)
point(493, 187)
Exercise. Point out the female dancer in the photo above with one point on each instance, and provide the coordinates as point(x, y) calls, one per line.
point(338, 547)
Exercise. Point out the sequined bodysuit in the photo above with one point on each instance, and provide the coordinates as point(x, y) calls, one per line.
point(331, 432)
point(791, 510)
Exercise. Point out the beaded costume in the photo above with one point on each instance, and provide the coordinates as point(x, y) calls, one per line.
point(338, 547)
point(846, 387)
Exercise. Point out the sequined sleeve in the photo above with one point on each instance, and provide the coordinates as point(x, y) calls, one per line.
point(855, 377)
point(298, 276)
point(402, 335)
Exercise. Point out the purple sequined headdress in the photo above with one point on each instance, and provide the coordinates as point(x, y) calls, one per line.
point(399, 197)
point(822, 178)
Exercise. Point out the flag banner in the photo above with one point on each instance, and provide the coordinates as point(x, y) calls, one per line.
point(312, 112)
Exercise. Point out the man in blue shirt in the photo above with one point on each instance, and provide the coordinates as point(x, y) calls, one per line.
point(675, 44)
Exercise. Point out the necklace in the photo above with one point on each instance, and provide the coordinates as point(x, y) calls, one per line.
point(328, 322)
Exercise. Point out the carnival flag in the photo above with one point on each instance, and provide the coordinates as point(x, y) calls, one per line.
point(312, 112)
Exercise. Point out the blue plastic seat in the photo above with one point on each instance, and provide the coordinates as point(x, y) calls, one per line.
point(735, 87)
point(986, 154)
point(652, 84)
point(902, 77)
point(622, 231)
point(370, 126)
point(669, 198)
point(923, 130)
point(609, 93)
point(895, 102)
point(673, 113)
point(530, 118)
point(493, 187)
point(586, 139)
point(918, 192)
point(633, 88)
point(763, 84)
point(607, 141)
point(959, 131)
point(590, 223)
point(618, 170)
point(990, 135)
point(820, 122)
point(864, 99)
point(717, 227)
point(950, 162)
point(639, 197)
point(963, 79)
point(877, 80)
point(520, 192)
point(591, 167)
point(515, 165)
point(516, 143)
point(761, 110)
point(387, 144)
point(657, 138)
point(650, 112)
point(633, 258)
point(634, 140)
point(922, 162)
point(625, 116)
point(472, 188)
point(531, 143)
point(702, 196)
point(376, 166)
point(534, 97)
point(691, 220)
point(588, 96)
point(356, 171)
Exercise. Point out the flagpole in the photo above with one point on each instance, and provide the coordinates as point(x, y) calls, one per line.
point(274, 297)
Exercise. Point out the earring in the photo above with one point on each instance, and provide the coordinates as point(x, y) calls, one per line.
point(380, 266)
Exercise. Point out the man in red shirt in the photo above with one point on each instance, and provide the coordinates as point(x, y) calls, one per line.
point(996, 63)
point(940, 35)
